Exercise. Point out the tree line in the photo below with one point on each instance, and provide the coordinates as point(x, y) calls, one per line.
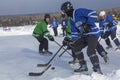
point(32, 19)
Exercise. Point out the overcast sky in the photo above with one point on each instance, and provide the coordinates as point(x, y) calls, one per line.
point(11, 7)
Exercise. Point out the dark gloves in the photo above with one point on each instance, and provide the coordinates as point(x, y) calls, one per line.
point(86, 27)
point(51, 38)
point(110, 24)
point(66, 41)
point(105, 35)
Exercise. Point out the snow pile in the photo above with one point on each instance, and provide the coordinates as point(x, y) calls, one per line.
point(94, 76)
point(19, 30)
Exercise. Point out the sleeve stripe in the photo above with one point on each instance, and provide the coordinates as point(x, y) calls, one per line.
point(93, 16)
point(91, 13)
point(115, 22)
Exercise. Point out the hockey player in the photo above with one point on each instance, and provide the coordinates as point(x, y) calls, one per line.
point(108, 28)
point(69, 39)
point(40, 33)
point(101, 51)
point(55, 26)
point(85, 34)
point(64, 25)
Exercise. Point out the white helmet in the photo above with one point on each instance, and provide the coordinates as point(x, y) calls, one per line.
point(102, 13)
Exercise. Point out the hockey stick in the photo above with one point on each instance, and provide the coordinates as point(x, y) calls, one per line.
point(99, 39)
point(44, 65)
point(47, 65)
point(40, 73)
point(63, 48)
point(64, 52)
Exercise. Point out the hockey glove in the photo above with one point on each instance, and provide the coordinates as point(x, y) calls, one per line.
point(86, 27)
point(110, 25)
point(51, 38)
point(66, 41)
point(105, 35)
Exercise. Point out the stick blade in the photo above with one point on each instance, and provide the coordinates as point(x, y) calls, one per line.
point(42, 65)
point(39, 73)
point(35, 74)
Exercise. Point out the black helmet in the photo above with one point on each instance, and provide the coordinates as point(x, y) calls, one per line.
point(47, 16)
point(67, 6)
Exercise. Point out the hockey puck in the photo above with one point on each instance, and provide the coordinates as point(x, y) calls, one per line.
point(53, 68)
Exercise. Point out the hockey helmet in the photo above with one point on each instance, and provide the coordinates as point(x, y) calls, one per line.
point(46, 16)
point(66, 7)
point(102, 13)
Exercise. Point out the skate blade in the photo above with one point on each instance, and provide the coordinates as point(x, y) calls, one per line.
point(83, 72)
point(107, 61)
point(76, 64)
point(109, 48)
point(117, 50)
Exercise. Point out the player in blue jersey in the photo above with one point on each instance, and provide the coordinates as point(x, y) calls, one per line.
point(84, 32)
point(108, 27)
point(64, 25)
point(55, 26)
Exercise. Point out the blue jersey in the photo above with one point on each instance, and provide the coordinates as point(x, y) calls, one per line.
point(64, 23)
point(55, 23)
point(81, 16)
point(103, 24)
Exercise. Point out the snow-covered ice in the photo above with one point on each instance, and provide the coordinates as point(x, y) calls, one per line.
point(19, 56)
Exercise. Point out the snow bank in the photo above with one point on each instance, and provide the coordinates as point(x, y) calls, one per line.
point(19, 30)
point(94, 76)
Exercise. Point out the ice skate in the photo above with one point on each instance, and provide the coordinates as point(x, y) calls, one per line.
point(105, 57)
point(74, 62)
point(118, 48)
point(82, 70)
point(109, 47)
point(97, 70)
point(47, 53)
point(41, 52)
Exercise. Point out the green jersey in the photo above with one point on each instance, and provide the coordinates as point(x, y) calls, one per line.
point(68, 30)
point(41, 29)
